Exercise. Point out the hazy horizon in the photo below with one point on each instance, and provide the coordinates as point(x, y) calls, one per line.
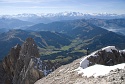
point(10, 7)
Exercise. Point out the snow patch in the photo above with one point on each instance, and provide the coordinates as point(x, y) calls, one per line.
point(109, 48)
point(122, 51)
point(15, 46)
point(84, 62)
point(98, 70)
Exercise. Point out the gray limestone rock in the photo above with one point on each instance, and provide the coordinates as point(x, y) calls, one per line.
point(107, 58)
point(23, 65)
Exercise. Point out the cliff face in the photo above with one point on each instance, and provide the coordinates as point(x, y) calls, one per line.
point(25, 72)
point(23, 65)
point(9, 63)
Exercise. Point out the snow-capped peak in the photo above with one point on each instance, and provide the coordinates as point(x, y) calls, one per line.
point(51, 17)
point(57, 14)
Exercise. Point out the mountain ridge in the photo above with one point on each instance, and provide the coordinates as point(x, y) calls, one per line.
point(11, 23)
point(79, 29)
point(51, 17)
point(114, 25)
point(43, 39)
point(72, 41)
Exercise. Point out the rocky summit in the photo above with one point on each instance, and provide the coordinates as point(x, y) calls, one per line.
point(108, 57)
point(23, 65)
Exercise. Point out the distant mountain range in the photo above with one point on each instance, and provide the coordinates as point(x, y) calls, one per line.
point(63, 41)
point(3, 30)
point(115, 25)
point(76, 29)
point(66, 37)
point(51, 17)
point(11, 23)
point(111, 22)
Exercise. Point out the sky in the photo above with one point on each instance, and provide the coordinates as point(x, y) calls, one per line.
point(10, 7)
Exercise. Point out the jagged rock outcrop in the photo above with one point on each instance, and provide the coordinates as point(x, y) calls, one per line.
point(25, 72)
point(23, 64)
point(9, 63)
point(106, 56)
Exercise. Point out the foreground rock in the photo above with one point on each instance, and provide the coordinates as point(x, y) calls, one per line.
point(67, 74)
point(106, 56)
point(23, 65)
